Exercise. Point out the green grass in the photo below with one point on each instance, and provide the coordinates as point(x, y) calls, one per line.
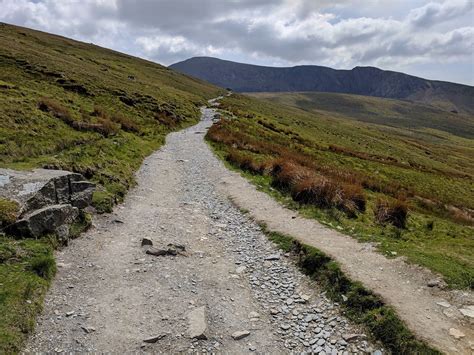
point(439, 188)
point(26, 270)
point(145, 100)
point(360, 305)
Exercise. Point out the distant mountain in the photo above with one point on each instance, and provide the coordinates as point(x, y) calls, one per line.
point(367, 81)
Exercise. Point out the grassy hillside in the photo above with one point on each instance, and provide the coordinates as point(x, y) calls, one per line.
point(76, 106)
point(393, 113)
point(55, 91)
point(411, 190)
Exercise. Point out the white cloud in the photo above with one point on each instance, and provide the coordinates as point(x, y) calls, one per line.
point(337, 33)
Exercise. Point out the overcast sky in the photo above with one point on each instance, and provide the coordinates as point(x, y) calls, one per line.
point(427, 38)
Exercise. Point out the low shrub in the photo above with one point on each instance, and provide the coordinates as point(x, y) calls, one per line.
point(125, 123)
point(391, 211)
point(315, 190)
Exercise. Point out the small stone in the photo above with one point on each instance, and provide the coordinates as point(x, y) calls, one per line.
point(377, 352)
point(240, 334)
point(88, 329)
point(254, 315)
point(197, 319)
point(456, 333)
point(321, 342)
point(305, 298)
point(274, 311)
point(240, 269)
point(146, 241)
point(444, 304)
point(289, 301)
point(154, 339)
point(285, 326)
point(69, 314)
point(433, 283)
point(350, 337)
point(273, 257)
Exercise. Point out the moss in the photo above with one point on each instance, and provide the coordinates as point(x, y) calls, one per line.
point(103, 201)
point(8, 211)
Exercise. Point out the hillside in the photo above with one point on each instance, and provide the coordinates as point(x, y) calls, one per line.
point(368, 81)
point(75, 106)
point(390, 112)
point(55, 93)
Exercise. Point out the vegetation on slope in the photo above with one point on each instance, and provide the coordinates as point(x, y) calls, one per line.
point(411, 191)
point(75, 106)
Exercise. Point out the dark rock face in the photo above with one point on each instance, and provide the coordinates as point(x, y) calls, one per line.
point(367, 81)
point(50, 200)
point(51, 219)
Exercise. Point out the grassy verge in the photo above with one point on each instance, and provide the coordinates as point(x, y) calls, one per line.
point(27, 268)
point(404, 209)
point(360, 305)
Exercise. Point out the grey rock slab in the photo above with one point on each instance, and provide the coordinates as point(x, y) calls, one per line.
point(39, 188)
point(197, 320)
point(240, 334)
point(45, 220)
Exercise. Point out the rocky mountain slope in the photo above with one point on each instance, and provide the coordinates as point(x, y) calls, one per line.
point(368, 81)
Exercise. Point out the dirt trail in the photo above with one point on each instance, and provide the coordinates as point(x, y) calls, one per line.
point(110, 296)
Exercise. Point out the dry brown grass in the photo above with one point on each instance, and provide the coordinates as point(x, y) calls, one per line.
point(391, 211)
point(52, 106)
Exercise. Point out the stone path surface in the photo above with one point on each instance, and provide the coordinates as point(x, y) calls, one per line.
point(226, 290)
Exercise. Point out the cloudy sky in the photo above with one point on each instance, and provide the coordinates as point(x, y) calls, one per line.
point(427, 38)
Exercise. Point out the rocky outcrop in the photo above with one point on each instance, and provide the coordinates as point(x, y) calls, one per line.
point(50, 200)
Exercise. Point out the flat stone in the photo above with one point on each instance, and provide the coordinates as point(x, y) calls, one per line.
point(433, 283)
point(456, 333)
point(197, 319)
point(254, 315)
point(146, 241)
point(240, 334)
point(444, 304)
point(240, 269)
point(467, 311)
point(350, 337)
point(154, 338)
point(272, 257)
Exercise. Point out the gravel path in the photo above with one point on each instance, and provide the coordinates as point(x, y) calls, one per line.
point(110, 296)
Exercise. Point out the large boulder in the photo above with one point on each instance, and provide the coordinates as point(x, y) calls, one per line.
point(49, 200)
point(50, 219)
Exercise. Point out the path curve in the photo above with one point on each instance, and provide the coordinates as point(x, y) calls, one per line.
point(109, 295)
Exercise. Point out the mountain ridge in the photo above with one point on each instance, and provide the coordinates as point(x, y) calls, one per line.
point(368, 81)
